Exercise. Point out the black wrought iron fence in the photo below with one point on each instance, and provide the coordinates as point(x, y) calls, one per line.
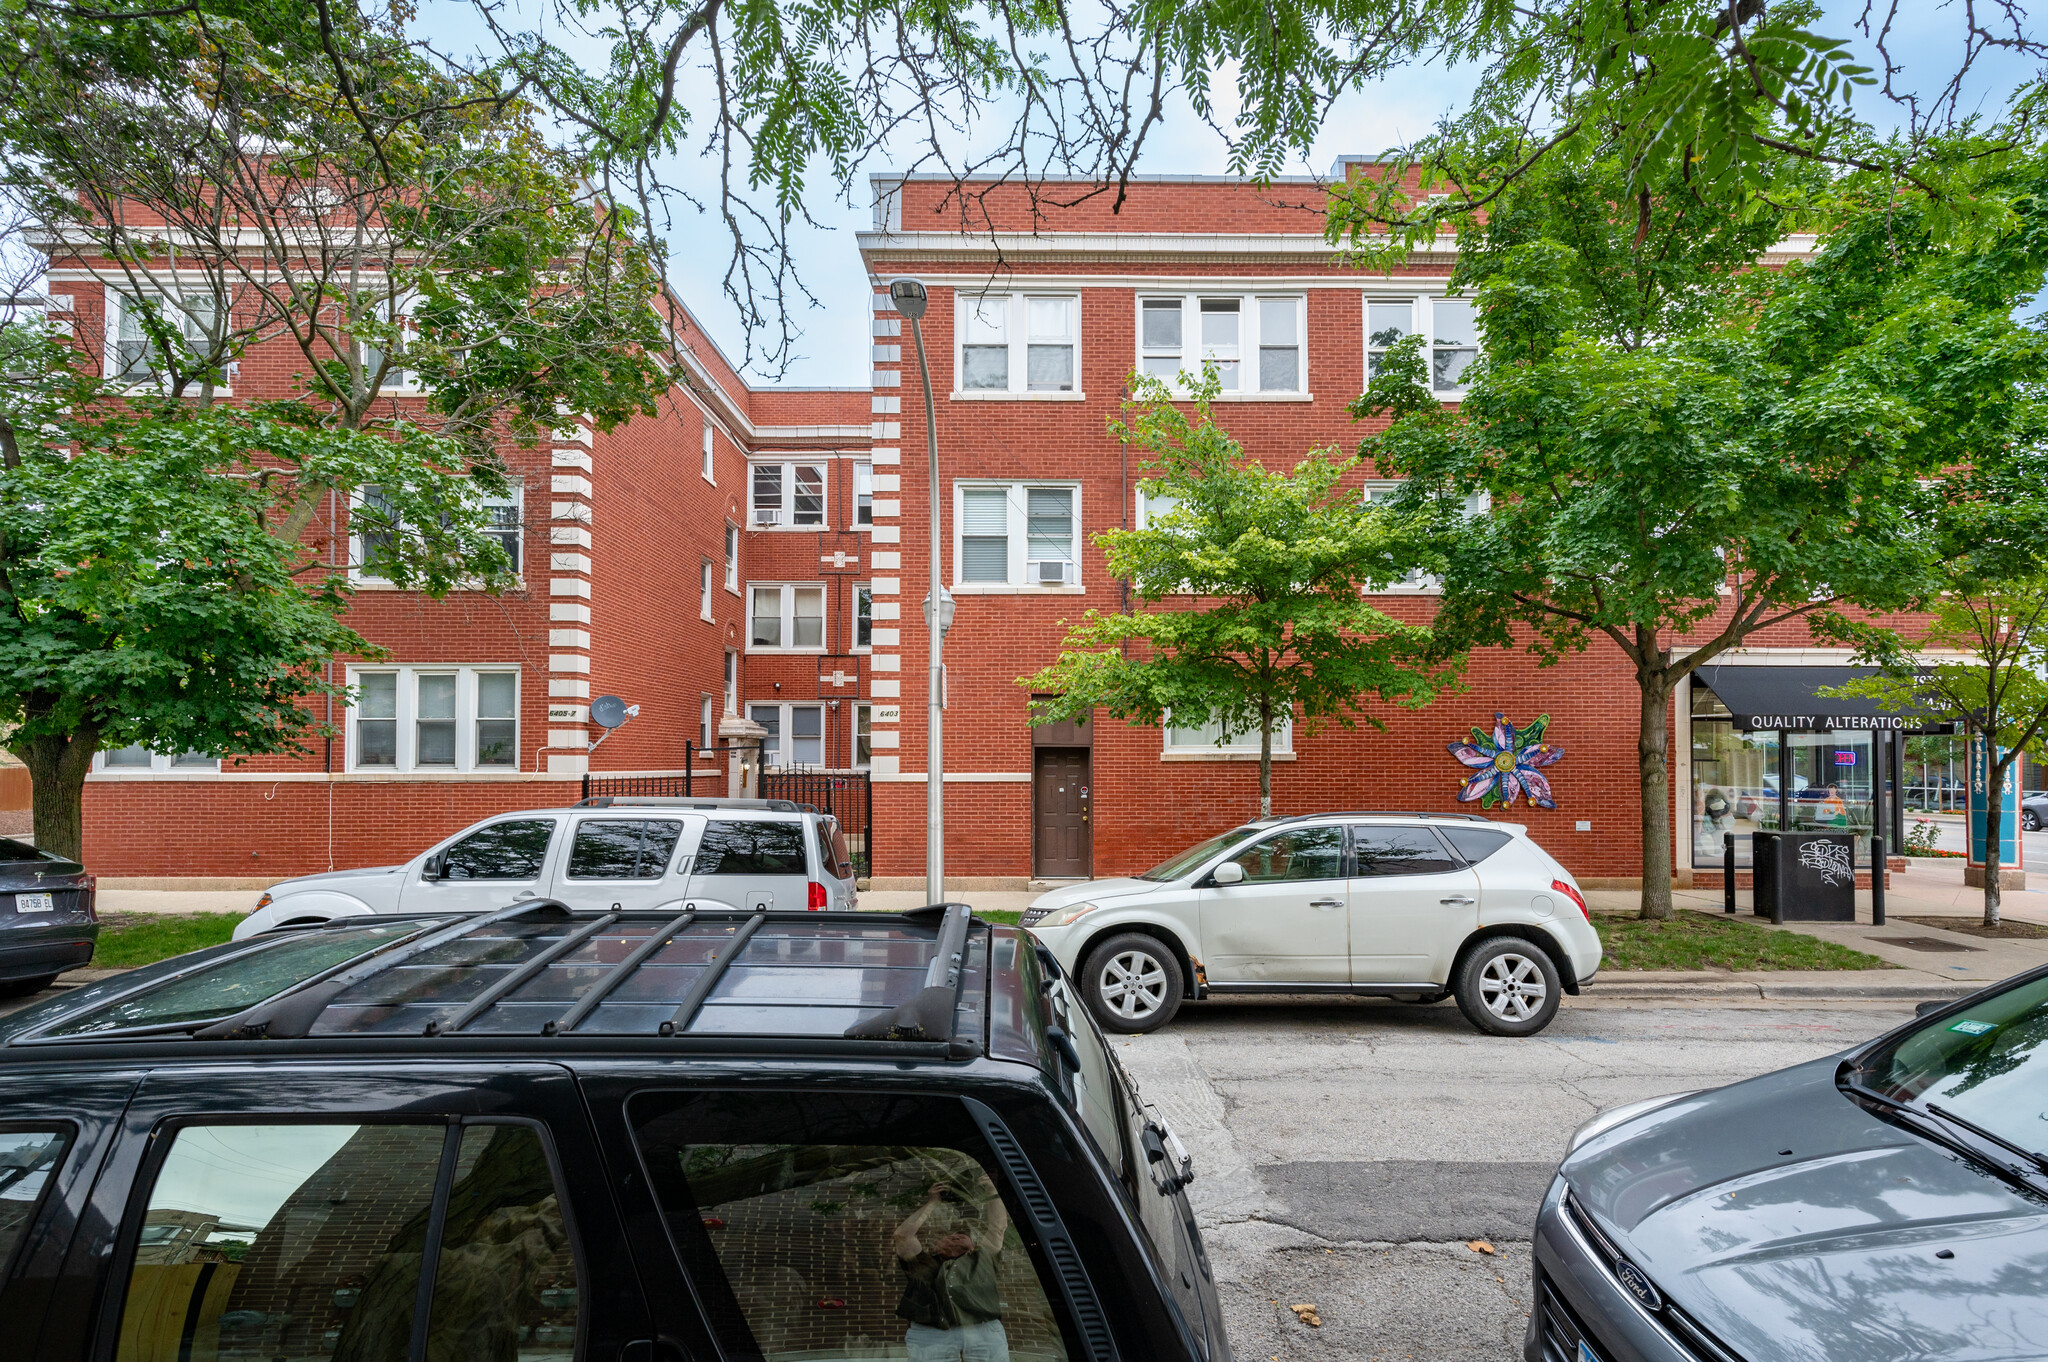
point(846, 795)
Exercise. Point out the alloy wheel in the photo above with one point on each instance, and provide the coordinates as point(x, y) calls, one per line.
point(1512, 988)
point(1132, 985)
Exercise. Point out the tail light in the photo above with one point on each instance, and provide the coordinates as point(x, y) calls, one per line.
point(91, 885)
point(817, 896)
point(1571, 892)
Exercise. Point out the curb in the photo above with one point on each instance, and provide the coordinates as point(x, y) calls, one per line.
point(1743, 990)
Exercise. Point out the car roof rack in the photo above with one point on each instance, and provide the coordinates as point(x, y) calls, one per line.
point(914, 983)
point(1382, 813)
point(692, 802)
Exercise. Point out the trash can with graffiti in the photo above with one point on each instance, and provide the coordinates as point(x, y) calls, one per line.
point(1805, 876)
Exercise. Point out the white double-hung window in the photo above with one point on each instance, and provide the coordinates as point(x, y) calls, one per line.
point(787, 495)
point(434, 719)
point(781, 615)
point(1209, 739)
point(1255, 340)
point(1449, 328)
point(1017, 534)
point(132, 357)
point(374, 528)
point(1017, 343)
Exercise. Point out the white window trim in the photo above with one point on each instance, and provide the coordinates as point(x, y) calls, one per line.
point(408, 717)
point(1243, 747)
point(789, 590)
point(1016, 501)
point(707, 720)
point(787, 510)
point(1247, 340)
point(710, 470)
point(1016, 330)
point(853, 758)
point(784, 735)
point(1422, 322)
point(514, 497)
point(730, 679)
point(116, 306)
point(704, 589)
point(1417, 583)
point(732, 558)
point(159, 765)
point(863, 472)
point(409, 378)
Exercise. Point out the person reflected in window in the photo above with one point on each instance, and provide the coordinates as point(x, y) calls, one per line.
point(953, 1301)
point(1833, 809)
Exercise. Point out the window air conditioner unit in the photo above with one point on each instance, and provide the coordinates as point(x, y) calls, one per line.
point(1050, 572)
point(767, 517)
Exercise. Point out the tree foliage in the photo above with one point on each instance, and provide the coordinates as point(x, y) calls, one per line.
point(1682, 447)
point(1249, 595)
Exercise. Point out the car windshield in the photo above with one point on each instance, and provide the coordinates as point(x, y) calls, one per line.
point(1987, 1064)
point(1175, 867)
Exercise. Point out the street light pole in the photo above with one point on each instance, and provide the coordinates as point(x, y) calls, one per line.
point(908, 295)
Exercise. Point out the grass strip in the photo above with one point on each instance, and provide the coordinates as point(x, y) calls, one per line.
point(1695, 940)
point(1001, 917)
point(131, 939)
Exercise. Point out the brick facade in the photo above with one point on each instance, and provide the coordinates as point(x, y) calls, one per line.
point(619, 525)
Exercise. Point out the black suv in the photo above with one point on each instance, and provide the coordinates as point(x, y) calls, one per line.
point(528, 1134)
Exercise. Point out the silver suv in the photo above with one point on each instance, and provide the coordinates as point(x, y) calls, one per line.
point(604, 853)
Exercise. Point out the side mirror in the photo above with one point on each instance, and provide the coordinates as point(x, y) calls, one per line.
point(1931, 1005)
point(1230, 872)
point(435, 866)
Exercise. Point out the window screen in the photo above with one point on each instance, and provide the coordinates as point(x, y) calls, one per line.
point(614, 849)
point(732, 847)
point(985, 535)
point(847, 1225)
point(1475, 844)
point(1398, 851)
point(502, 851)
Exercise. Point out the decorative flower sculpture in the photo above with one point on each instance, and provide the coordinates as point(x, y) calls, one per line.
point(1505, 766)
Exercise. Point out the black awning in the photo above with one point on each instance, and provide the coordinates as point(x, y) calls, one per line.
point(1785, 698)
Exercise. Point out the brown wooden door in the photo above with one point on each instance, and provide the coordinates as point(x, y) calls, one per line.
point(1059, 813)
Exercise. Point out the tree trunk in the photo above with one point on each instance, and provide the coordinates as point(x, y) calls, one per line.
point(1994, 821)
point(57, 767)
point(1653, 757)
point(1266, 763)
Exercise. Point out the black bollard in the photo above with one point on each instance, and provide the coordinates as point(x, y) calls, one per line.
point(1727, 872)
point(1877, 879)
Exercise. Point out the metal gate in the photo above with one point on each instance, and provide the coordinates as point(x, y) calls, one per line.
point(847, 795)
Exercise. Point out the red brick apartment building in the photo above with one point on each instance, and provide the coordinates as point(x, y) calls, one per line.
point(762, 552)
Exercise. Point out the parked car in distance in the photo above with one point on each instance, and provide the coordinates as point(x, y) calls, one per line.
point(2034, 810)
point(1415, 906)
point(1885, 1203)
point(630, 1137)
point(49, 922)
point(603, 853)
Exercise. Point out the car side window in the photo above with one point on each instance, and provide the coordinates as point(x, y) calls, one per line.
point(513, 850)
point(828, 862)
point(1098, 1094)
point(847, 1225)
point(1298, 854)
point(28, 1158)
point(622, 849)
point(732, 846)
point(1379, 851)
point(266, 1241)
point(1475, 844)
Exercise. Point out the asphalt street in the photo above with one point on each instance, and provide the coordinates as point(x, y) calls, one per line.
point(1347, 1153)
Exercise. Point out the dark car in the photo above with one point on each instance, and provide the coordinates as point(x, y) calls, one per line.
point(48, 923)
point(1889, 1203)
point(626, 1137)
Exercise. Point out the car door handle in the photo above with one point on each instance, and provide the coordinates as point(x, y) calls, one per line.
point(524, 894)
point(1457, 898)
point(1326, 903)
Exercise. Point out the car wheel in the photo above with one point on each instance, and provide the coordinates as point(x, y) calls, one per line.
point(2030, 820)
point(1508, 987)
point(1132, 983)
point(21, 988)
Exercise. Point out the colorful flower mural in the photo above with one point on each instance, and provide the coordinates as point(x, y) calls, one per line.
point(1506, 766)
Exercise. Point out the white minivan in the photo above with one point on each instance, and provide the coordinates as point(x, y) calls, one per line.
point(1403, 905)
point(605, 853)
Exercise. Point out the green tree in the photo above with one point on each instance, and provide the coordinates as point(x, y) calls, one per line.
point(1248, 595)
point(249, 179)
point(1682, 448)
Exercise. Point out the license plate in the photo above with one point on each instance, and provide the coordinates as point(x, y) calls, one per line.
point(34, 903)
point(1586, 1354)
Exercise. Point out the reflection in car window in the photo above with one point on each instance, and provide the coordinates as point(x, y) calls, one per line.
point(1300, 854)
point(842, 1225)
point(239, 981)
point(1475, 844)
point(735, 847)
point(1399, 851)
point(622, 849)
point(1987, 1064)
point(27, 1159)
point(1098, 1095)
point(1176, 866)
point(267, 1241)
point(502, 851)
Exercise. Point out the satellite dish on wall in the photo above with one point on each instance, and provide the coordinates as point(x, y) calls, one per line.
point(609, 711)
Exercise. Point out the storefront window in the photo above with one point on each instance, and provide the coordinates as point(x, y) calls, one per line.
point(1735, 782)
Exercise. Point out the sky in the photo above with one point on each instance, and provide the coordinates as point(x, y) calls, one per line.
point(833, 348)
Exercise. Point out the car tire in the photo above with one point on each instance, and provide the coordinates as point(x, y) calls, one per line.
point(2030, 821)
point(1132, 983)
point(21, 988)
point(1509, 986)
